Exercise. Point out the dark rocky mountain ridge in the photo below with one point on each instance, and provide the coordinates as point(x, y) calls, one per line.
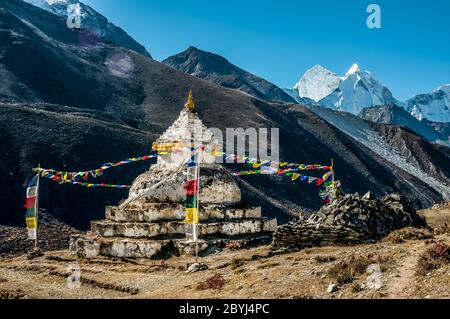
point(216, 69)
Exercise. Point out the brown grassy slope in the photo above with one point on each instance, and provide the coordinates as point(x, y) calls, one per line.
point(246, 274)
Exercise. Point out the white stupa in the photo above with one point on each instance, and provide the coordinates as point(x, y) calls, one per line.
point(150, 223)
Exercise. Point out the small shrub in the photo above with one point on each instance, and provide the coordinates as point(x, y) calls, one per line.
point(215, 282)
point(233, 245)
point(355, 265)
point(346, 270)
point(409, 233)
point(340, 274)
point(433, 258)
point(359, 265)
point(324, 259)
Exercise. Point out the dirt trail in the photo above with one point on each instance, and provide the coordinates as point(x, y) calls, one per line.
point(401, 285)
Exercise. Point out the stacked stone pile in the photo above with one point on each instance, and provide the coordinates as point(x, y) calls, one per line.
point(52, 235)
point(348, 220)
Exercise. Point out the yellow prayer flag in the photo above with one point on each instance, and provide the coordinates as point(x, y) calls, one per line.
point(191, 216)
point(295, 176)
point(31, 222)
point(257, 165)
point(327, 175)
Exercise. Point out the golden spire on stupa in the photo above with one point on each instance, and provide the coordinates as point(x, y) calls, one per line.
point(190, 105)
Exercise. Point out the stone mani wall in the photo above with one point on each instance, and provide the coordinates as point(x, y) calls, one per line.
point(348, 220)
point(298, 236)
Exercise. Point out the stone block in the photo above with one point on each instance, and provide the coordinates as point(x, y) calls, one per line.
point(88, 248)
point(154, 212)
point(150, 230)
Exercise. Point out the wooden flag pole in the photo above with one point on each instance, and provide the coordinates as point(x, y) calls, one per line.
point(37, 208)
point(332, 169)
point(198, 207)
point(335, 190)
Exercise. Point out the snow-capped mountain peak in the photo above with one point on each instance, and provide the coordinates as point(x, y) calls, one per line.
point(353, 92)
point(445, 88)
point(317, 83)
point(359, 89)
point(354, 69)
point(434, 106)
point(58, 7)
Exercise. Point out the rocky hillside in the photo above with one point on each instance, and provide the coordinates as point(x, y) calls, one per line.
point(70, 106)
point(397, 149)
point(431, 158)
point(64, 137)
point(442, 128)
point(391, 114)
point(95, 26)
point(216, 69)
point(53, 235)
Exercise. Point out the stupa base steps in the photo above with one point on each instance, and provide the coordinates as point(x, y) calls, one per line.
point(108, 228)
point(92, 246)
point(152, 212)
point(164, 239)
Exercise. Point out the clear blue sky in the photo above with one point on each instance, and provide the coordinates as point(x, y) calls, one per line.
point(280, 39)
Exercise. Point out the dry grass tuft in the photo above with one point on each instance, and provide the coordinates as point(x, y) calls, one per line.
point(442, 229)
point(356, 287)
point(237, 262)
point(433, 258)
point(268, 265)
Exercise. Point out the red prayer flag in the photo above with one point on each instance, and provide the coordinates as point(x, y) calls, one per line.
point(191, 188)
point(30, 202)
